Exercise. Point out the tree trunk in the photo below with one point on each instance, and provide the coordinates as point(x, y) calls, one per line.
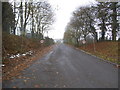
point(103, 30)
point(96, 36)
point(21, 18)
point(14, 30)
point(32, 26)
point(114, 19)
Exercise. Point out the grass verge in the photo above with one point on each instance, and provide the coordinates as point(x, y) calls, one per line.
point(107, 50)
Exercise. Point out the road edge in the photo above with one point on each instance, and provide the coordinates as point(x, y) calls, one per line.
point(115, 64)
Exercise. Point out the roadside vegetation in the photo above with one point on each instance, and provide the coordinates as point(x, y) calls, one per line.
point(95, 29)
point(16, 45)
point(107, 50)
point(19, 54)
point(24, 25)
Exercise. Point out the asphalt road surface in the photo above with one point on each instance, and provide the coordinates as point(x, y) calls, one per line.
point(66, 67)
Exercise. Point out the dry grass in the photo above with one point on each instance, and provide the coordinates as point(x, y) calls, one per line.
point(12, 44)
point(107, 50)
point(14, 66)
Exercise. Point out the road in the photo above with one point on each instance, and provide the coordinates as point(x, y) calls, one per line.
point(66, 67)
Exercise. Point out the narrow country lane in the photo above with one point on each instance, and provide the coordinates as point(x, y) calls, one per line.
point(66, 67)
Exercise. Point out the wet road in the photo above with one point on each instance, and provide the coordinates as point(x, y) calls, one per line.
point(66, 67)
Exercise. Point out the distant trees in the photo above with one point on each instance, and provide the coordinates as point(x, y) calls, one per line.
point(82, 23)
point(22, 18)
point(24, 12)
point(107, 15)
point(48, 41)
point(88, 19)
point(69, 36)
point(7, 17)
point(115, 7)
point(42, 18)
point(102, 16)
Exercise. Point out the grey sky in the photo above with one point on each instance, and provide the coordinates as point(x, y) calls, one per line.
point(63, 13)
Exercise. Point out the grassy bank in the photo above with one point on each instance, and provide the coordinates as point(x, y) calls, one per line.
point(107, 50)
point(13, 45)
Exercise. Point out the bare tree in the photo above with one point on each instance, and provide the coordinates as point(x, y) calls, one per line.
point(115, 25)
point(37, 15)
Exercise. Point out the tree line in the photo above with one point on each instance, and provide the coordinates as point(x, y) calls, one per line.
point(31, 19)
point(87, 20)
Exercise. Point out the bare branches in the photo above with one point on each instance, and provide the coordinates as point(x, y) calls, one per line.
point(32, 17)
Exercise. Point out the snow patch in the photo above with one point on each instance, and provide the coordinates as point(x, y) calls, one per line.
point(2, 65)
point(18, 55)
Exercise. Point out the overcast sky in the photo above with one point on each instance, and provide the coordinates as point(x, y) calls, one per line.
point(64, 9)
